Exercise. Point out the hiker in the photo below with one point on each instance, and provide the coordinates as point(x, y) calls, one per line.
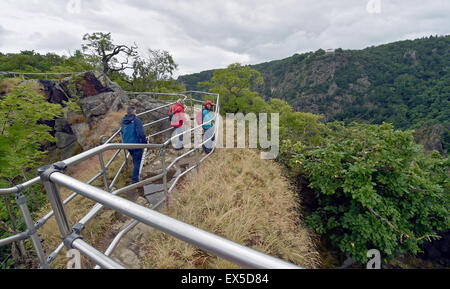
point(177, 120)
point(133, 132)
point(208, 128)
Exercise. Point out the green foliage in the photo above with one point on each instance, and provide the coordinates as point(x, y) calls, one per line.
point(295, 127)
point(21, 135)
point(234, 84)
point(30, 61)
point(154, 73)
point(375, 190)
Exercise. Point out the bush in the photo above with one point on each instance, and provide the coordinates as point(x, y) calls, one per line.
point(376, 190)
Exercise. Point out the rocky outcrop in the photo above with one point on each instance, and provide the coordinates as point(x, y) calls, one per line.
point(102, 104)
point(438, 251)
point(430, 137)
point(96, 95)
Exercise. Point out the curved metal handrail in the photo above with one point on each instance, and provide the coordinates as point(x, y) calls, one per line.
point(98, 207)
point(232, 251)
point(91, 153)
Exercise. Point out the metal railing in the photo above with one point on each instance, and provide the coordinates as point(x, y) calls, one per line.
point(39, 74)
point(53, 175)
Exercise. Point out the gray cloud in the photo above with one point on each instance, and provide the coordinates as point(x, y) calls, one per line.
point(3, 34)
point(275, 29)
point(204, 34)
point(55, 41)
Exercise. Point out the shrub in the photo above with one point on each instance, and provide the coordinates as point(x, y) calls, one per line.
point(376, 190)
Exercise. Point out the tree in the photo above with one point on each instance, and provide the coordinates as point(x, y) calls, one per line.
point(101, 49)
point(21, 137)
point(154, 71)
point(234, 84)
point(295, 127)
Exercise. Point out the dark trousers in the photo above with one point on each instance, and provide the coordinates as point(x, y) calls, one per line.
point(208, 146)
point(137, 158)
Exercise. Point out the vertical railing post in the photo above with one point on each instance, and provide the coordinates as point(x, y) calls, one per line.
point(54, 197)
point(163, 163)
point(21, 201)
point(103, 168)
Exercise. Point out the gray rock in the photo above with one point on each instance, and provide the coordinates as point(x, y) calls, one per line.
point(64, 139)
point(62, 125)
point(128, 258)
point(70, 150)
point(81, 131)
point(94, 105)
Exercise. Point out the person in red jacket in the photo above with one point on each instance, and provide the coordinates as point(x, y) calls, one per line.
point(177, 120)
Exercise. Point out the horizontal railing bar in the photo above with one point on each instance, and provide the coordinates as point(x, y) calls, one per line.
point(139, 184)
point(23, 186)
point(188, 152)
point(92, 152)
point(161, 132)
point(39, 73)
point(155, 109)
point(189, 130)
point(152, 123)
point(14, 238)
point(156, 93)
point(217, 245)
point(95, 255)
point(200, 92)
point(145, 125)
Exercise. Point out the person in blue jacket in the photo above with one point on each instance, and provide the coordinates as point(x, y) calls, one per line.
point(133, 132)
point(208, 128)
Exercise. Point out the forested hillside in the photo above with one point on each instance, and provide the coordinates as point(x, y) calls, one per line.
point(406, 83)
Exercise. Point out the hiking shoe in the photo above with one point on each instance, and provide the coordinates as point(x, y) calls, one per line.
point(140, 191)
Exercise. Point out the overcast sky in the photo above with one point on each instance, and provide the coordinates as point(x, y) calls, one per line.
point(207, 34)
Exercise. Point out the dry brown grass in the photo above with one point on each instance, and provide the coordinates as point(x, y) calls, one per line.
point(105, 127)
point(74, 118)
point(238, 196)
point(7, 84)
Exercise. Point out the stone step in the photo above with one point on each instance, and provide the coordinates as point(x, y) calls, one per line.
point(155, 192)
